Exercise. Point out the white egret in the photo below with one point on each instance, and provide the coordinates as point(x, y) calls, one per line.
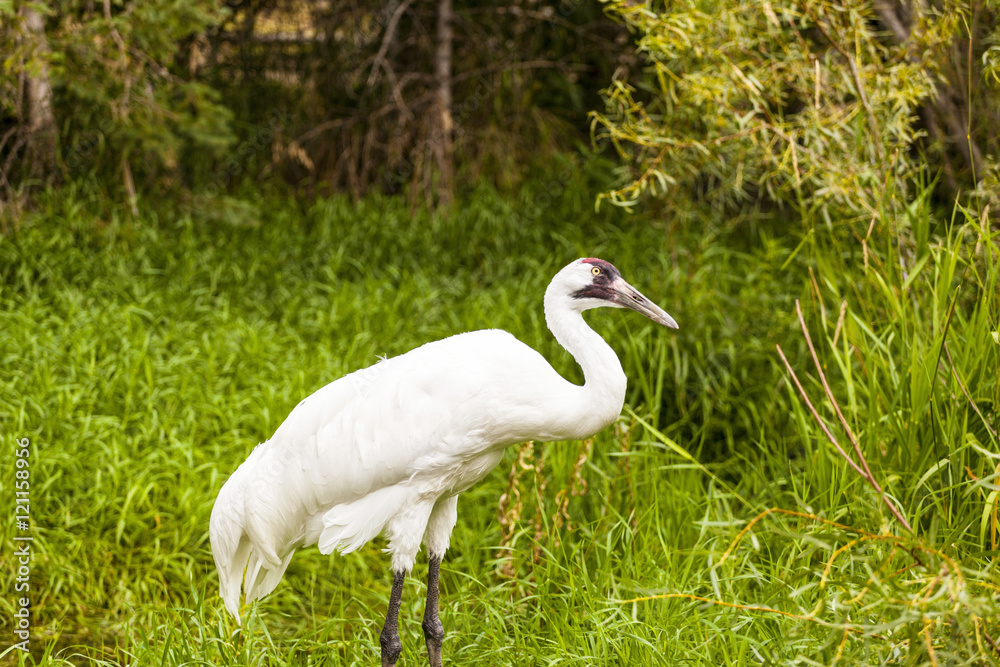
point(387, 449)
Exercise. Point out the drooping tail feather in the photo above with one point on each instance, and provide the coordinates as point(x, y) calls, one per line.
point(264, 579)
point(237, 561)
point(230, 545)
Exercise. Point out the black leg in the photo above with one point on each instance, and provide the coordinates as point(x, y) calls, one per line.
point(389, 638)
point(433, 630)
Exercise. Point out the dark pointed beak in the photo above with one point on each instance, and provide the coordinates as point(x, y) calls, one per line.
point(627, 296)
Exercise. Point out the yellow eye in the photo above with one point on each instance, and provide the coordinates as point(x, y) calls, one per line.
point(596, 270)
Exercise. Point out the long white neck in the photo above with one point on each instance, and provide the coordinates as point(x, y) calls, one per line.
point(599, 401)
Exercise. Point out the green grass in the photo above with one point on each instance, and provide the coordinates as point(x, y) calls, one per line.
point(145, 359)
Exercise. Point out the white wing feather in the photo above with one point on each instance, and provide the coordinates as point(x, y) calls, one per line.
point(350, 457)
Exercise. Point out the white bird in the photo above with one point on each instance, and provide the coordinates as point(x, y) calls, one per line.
point(387, 449)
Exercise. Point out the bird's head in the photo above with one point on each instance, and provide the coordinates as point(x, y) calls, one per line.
point(594, 283)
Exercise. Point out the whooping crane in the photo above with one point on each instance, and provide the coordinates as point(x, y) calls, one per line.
point(387, 449)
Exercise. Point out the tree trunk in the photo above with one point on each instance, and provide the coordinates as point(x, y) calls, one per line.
point(442, 135)
point(41, 121)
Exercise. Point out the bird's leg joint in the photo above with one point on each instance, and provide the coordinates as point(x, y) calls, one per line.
point(392, 647)
point(434, 637)
point(433, 630)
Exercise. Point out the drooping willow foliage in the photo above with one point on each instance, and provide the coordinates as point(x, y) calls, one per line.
point(818, 104)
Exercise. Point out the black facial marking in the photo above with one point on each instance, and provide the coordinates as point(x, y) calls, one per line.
point(600, 285)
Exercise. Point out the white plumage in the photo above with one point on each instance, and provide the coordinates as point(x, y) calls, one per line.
point(387, 449)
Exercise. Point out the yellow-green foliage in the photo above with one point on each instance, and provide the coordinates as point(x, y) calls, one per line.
point(812, 103)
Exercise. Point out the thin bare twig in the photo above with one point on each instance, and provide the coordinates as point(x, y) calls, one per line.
point(833, 401)
point(992, 642)
point(866, 473)
point(390, 31)
point(822, 424)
